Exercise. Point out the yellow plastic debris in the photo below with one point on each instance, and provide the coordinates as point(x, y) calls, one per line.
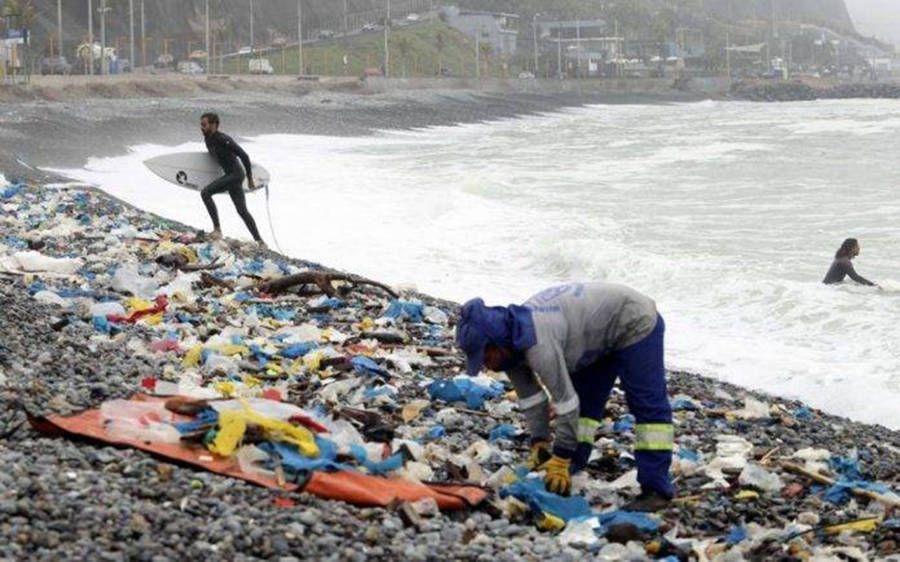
point(135, 304)
point(230, 349)
point(251, 381)
point(312, 361)
point(192, 357)
point(233, 425)
point(367, 324)
point(550, 523)
point(746, 495)
point(225, 388)
point(153, 319)
point(860, 525)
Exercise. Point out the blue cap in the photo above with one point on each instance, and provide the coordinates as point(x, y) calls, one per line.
point(471, 336)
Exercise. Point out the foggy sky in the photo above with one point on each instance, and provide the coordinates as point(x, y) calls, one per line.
point(877, 17)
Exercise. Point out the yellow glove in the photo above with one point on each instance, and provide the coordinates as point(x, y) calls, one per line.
point(540, 453)
point(557, 477)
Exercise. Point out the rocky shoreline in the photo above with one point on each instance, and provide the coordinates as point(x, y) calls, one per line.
point(798, 90)
point(738, 498)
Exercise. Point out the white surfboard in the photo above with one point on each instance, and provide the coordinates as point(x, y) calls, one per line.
point(196, 170)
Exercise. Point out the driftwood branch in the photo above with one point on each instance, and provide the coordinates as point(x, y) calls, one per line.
point(822, 479)
point(209, 280)
point(322, 279)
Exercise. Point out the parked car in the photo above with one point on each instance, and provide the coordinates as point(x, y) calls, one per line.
point(189, 67)
point(197, 54)
point(55, 65)
point(164, 61)
point(413, 17)
point(326, 34)
point(279, 42)
point(261, 66)
point(370, 27)
point(245, 50)
point(526, 75)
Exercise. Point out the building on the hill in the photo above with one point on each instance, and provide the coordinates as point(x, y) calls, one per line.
point(499, 30)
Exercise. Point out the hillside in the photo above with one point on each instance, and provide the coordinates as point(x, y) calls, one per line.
point(419, 50)
point(177, 25)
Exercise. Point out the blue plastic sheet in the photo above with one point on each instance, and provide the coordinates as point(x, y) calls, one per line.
point(463, 389)
point(846, 467)
point(688, 454)
point(624, 423)
point(382, 390)
point(435, 432)
point(684, 404)
point(365, 366)
point(393, 462)
point(254, 266)
point(296, 350)
point(12, 191)
point(293, 462)
point(736, 535)
point(332, 303)
point(532, 492)
point(261, 356)
point(839, 493)
point(203, 419)
point(802, 413)
point(640, 520)
point(269, 311)
point(404, 310)
point(503, 431)
point(101, 324)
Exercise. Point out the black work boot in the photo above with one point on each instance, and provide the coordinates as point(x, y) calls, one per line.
point(648, 502)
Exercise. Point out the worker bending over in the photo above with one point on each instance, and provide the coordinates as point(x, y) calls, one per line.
point(575, 341)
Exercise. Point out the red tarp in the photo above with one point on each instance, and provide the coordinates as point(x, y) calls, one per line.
point(351, 487)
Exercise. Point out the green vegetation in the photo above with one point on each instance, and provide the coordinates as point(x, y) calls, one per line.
point(415, 51)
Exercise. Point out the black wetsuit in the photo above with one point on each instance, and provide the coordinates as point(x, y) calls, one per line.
point(843, 267)
point(226, 152)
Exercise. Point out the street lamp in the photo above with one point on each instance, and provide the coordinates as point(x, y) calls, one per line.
point(534, 27)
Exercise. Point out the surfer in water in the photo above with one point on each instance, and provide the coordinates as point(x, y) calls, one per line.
point(842, 265)
point(226, 152)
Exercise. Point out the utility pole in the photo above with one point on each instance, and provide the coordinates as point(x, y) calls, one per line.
point(91, 35)
point(559, 73)
point(578, 46)
point(534, 26)
point(251, 29)
point(59, 32)
point(207, 37)
point(477, 54)
point(300, 71)
point(143, 40)
point(728, 56)
point(387, 53)
point(104, 66)
point(346, 20)
point(131, 34)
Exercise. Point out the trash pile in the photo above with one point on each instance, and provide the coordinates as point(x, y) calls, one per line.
point(283, 374)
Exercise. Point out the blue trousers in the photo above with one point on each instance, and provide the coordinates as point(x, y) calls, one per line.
point(641, 368)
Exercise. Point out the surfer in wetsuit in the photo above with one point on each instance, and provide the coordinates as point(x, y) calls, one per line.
point(842, 265)
point(226, 152)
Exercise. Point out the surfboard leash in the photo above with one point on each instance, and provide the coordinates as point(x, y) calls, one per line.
point(271, 224)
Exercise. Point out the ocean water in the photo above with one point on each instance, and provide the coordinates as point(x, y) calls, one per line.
point(728, 214)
